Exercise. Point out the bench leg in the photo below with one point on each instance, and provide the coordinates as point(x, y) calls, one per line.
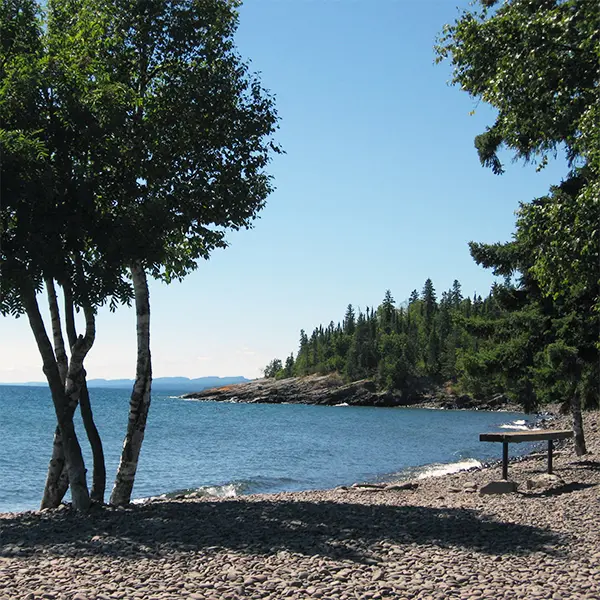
point(550, 447)
point(505, 460)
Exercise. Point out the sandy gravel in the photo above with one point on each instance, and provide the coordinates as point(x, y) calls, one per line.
point(441, 540)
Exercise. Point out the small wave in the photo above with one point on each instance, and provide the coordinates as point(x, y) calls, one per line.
point(258, 484)
point(342, 404)
point(227, 490)
point(519, 425)
point(439, 470)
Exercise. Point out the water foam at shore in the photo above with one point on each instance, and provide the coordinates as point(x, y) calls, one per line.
point(227, 490)
point(439, 470)
point(519, 425)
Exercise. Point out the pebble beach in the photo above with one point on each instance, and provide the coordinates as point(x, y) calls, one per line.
point(439, 538)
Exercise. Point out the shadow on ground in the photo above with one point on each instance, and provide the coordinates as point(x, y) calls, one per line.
point(590, 465)
point(567, 488)
point(334, 529)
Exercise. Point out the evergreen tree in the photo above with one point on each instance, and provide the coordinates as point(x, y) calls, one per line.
point(456, 294)
point(302, 360)
point(429, 303)
point(387, 313)
point(536, 64)
point(349, 320)
point(288, 370)
point(272, 369)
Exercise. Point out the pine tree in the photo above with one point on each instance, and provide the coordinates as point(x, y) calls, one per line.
point(456, 294)
point(429, 304)
point(349, 320)
point(288, 370)
point(387, 312)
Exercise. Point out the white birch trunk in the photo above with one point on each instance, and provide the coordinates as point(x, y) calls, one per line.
point(72, 449)
point(52, 496)
point(140, 396)
point(59, 343)
point(57, 482)
point(99, 467)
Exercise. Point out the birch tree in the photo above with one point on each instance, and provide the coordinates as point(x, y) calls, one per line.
point(164, 140)
point(45, 219)
point(195, 136)
point(29, 238)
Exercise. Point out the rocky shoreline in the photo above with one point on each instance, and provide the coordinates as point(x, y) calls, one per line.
point(331, 390)
point(438, 538)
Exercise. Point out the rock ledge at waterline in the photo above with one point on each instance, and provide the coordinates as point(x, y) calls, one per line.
point(330, 390)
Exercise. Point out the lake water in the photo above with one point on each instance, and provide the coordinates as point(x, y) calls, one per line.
point(229, 449)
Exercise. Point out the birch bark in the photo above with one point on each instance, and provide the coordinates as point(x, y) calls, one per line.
point(59, 343)
point(57, 479)
point(140, 396)
point(99, 468)
point(72, 449)
point(56, 467)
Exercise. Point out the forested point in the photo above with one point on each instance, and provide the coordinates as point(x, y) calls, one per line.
point(504, 343)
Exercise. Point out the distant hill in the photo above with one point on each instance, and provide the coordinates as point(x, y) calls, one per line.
point(170, 383)
point(160, 383)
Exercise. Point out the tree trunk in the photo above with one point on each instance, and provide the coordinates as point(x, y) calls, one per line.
point(56, 476)
point(59, 343)
point(99, 468)
point(56, 468)
point(57, 481)
point(72, 449)
point(580, 448)
point(99, 472)
point(140, 396)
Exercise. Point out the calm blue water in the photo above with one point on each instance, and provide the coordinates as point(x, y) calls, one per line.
point(244, 447)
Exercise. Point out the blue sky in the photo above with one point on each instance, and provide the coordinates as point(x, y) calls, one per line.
point(380, 187)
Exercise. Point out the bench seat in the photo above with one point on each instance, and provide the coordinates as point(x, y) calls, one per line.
point(525, 436)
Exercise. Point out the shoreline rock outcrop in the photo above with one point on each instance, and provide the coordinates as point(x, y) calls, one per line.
point(331, 390)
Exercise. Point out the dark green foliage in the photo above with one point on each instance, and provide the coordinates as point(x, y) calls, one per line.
point(515, 341)
point(534, 347)
point(288, 370)
point(349, 320)
point(130, 132)
point(271, 370)
point(396, 346)
point(536, 63)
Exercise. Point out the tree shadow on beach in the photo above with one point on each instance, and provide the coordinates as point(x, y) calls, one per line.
point(590, 465)
point(567, 488)
point(334, 529)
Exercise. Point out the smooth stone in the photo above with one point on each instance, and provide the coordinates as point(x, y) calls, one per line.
point(499, 487)
point(544, 481)
point(407, 485)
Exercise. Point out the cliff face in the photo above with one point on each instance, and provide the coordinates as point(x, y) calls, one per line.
point(330, 390)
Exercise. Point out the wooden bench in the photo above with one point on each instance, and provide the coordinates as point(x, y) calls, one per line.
point(525, 436)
